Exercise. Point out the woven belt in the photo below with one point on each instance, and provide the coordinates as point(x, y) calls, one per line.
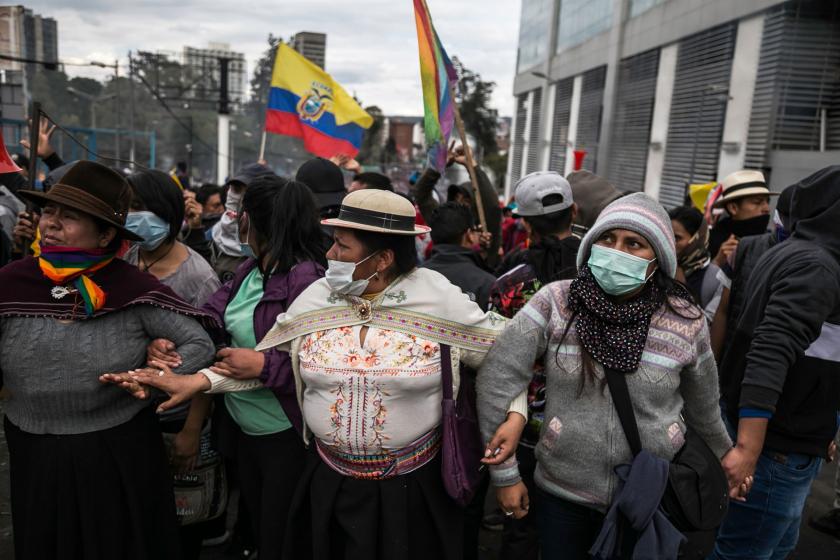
point(386, 465)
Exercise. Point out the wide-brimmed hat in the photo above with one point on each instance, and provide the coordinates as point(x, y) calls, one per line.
point(94, 189)
point(380, 211)
point(740, 184)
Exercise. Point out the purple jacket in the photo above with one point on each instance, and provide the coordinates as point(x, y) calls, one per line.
point(280, 292)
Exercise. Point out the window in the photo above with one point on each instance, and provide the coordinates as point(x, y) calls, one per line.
point(582, 19)
point(534, 32)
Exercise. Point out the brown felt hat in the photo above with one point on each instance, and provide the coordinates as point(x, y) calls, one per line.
point(94, 189)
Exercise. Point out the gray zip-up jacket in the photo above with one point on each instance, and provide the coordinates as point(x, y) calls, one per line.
point(582, 440)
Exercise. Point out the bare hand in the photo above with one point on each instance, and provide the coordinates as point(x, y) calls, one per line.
point(456, 155)
point(485, 239)
point(239, 363)
point(162, 350)
point(127, 382)
point(739, 466)
point(726, 251)
point(45, 149)
point(25, 227)
point(192, 210)
point(514, 499)
point(180, 388)
point(340, 159)
point(184, 452)
point(504, 442)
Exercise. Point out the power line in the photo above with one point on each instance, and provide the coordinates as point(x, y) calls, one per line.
point(175, 117)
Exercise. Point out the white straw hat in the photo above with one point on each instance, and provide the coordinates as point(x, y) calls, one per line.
point(376, 210)
point(740, 184)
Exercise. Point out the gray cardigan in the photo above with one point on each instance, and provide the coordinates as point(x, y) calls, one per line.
point(51, 369)
point(582, 440)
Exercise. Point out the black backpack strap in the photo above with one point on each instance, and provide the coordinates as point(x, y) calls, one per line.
point(617, 382)
point(446, 371)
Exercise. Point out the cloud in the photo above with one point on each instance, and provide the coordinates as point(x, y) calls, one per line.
point(371, 44)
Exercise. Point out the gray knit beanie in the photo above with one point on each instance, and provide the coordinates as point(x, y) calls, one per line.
point(639, 213)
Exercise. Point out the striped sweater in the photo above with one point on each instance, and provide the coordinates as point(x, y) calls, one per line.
point(581, 439)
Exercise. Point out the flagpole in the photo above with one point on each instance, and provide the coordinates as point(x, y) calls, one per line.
point(262, 147)
point(470, 163)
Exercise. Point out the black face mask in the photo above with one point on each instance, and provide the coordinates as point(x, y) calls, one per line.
point(751, 226)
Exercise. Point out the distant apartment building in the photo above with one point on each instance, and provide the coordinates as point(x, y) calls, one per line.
point(313, 46)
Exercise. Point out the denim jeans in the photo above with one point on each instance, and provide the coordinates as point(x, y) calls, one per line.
point(566, 530)
point(766, 526)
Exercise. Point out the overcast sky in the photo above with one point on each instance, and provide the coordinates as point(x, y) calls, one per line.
point(371, 44)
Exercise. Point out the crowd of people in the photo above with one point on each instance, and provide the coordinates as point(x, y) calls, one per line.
point(362, 367)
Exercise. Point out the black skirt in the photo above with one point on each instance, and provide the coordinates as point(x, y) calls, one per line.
point(100, 495)
point(335, 517)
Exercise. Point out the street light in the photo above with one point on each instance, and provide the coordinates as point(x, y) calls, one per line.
point(92, 99)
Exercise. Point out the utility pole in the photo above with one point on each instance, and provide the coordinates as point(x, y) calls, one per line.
point(223, 144)
point(131, 151)
point(117, 107)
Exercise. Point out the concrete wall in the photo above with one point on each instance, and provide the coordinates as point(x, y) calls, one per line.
point(789, 166)
point(659, 121)
point(741, 88)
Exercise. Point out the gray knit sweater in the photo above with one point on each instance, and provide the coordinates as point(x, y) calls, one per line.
point(51, 369)
point(582, 440)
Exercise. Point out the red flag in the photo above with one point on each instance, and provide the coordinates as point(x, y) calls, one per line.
point(6, 163)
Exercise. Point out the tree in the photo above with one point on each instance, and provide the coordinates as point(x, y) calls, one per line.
point(371, 150)
point(480, 120)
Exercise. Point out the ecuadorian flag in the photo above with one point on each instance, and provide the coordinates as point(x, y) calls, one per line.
point(304, 101)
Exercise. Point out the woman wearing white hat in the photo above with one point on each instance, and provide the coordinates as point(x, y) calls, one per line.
point(370, 344)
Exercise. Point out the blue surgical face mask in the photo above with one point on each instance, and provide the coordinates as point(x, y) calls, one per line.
point(618, 273)
point(149, 226)
point(244, 246)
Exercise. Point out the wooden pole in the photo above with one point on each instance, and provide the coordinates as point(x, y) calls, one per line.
point(34, 134)
point(470, 163)
point(262, 147)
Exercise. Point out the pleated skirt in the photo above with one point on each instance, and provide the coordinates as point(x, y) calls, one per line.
point(410, 516)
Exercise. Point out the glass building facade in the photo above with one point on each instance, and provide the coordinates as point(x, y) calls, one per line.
point(580, 20)
point(534, 33)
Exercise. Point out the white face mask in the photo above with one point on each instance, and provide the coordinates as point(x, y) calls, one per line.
point(340, 277)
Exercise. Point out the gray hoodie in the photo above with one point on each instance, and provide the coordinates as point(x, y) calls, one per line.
point(582, 441)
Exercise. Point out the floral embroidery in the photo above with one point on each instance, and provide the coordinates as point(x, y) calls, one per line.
point(357, 380)
point(398, 297)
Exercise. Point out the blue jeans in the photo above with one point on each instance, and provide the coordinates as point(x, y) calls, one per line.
point(766, 526)
point(567, 530)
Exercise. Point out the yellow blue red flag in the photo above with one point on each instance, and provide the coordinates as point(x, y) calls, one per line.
point(305, 102)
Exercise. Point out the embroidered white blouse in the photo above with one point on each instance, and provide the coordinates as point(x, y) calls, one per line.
point(371, 398)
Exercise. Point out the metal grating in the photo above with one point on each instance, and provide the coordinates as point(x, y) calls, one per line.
point(518, 138)
point(698, 108)
point(589, 117)
point(636, 94)
point(560, 126)
point(798, 76)
point(534, 134)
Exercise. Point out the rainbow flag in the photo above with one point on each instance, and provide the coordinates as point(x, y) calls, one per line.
point(305, 102)
point(437, 75)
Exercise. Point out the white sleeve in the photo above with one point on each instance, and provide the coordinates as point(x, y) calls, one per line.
point(520, 404)
point(222, 384)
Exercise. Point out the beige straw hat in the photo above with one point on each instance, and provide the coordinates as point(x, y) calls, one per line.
point(740, 184)
point(376, 210)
